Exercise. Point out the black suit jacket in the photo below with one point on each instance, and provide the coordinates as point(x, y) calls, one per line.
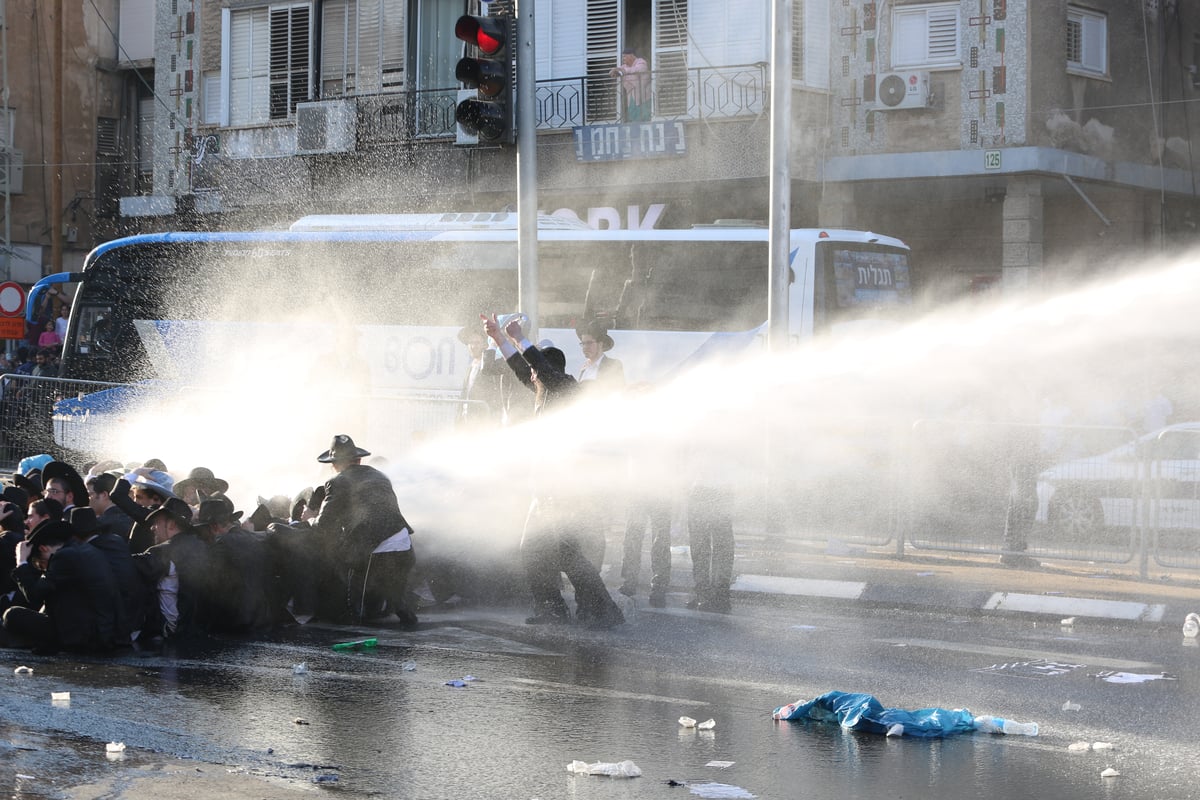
point(359, 512)
point(79, 593)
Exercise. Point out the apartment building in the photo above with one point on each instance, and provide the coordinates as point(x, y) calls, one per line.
point(1010, 142)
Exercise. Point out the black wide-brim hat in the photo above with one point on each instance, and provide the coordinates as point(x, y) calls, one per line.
point(64, 471)
point(342, 448)
point(48, 531)
point(17, 496)
point(203, 480)
point(175, 508)
point(216, 509)
point(31, 481)
point(83, 521)
point(597, 331)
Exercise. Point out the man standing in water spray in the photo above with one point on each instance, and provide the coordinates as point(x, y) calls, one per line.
point(551, 541)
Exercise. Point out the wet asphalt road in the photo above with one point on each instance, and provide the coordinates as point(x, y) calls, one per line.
point(383, 722)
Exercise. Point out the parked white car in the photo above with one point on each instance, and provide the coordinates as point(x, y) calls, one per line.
point(1153, 480)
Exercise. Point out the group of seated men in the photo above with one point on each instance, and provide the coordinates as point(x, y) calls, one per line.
point(119, 557)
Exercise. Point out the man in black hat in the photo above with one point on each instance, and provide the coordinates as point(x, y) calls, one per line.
point(111, 518)
point(199, 484)
point(364, 535)
point(481, 391)
point(76, 587)
point(87, 528)
point(554, 529)
point(65, 485)
point(600, 371)
point(13, 502)
point(178, 567)
point(242, 570)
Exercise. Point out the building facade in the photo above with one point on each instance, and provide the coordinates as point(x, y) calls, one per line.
point(1010, 142)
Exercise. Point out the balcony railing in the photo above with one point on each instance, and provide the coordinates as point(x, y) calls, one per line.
point(562, 103)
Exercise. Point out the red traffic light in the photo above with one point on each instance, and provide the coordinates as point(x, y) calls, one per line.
point(489, 34)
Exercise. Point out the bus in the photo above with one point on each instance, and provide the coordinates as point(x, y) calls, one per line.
point(385, 295)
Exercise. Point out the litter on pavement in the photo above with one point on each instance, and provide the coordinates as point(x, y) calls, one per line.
point(619, 769)
point(1069, 706)
point(23, 671)
point(719, 790)
point(863, 712)
point(1133, 677)
point(719, 764)
point(356, 645)
point(1110, 773)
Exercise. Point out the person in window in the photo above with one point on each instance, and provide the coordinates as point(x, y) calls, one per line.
point(634, 73)
point(48, 337)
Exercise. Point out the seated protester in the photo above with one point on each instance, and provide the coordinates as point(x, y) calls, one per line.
point(177, 568)
point(12, 530)
point(150, 489)
point(64, 484)
point(111, 518)
point(86, 527)
point(200, 484)
point(40, 510)
point(74, 586)
point(241, 569)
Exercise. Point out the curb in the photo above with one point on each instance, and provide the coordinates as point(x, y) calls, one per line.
point(982, 600)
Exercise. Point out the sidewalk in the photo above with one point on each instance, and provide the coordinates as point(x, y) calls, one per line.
point(947, 581)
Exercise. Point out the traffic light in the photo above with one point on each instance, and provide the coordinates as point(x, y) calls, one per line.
point(489, 114)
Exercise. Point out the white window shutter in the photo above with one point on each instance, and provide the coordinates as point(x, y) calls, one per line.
point(943, 35)
point(909, 39)
point(336, 27)
point(391, 45)
point(816, 44)
point(1095, 43)
point(212, 97)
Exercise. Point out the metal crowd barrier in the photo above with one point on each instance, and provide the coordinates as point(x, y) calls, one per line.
point(75, 420)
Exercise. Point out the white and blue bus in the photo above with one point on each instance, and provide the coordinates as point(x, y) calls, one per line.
point(390, 293)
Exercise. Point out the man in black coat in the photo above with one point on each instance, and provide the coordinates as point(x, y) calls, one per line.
point(552, 539)
point(112, 519)
point(242, 569)
point(364, 535)
point(73, 583)
point(87, 528)
point(178, 568)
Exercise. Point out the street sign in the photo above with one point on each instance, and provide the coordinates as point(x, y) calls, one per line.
point(12, 299)
point(12, 328)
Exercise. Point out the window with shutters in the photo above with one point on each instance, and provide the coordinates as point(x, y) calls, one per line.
point(1087, 42)
point(926, 36)
point(810, 43)
point(670, 84)
point(269, 62)
point(362, 47)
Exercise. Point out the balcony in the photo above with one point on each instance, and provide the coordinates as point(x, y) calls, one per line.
point(700, 93)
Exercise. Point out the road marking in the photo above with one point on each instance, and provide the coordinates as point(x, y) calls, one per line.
point(844, 590)
point(1015, 653)
point(1076, 606)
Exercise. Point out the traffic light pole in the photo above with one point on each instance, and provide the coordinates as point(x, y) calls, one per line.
point(780, 219)
point(527, 197)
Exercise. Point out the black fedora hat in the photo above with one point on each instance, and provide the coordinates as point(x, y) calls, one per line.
point(203, 480)
point(31, 481)
point(217, 509)
point(61, 470)
point(175, 508)
point(83, 521)
point(48, 531)
point(598, 331)
point(343, 448)
point(17, 496)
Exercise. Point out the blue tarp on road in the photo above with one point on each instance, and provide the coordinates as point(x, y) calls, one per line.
point(862, 712)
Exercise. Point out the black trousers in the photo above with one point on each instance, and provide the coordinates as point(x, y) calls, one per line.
point(551, 546)
point(710, 531)
point(657, 514)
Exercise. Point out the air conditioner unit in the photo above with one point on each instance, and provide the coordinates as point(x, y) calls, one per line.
point(898, 90)
point(329, 126)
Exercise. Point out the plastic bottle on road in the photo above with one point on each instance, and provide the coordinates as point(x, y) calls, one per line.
point(989, 724)
point(1191, 625)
